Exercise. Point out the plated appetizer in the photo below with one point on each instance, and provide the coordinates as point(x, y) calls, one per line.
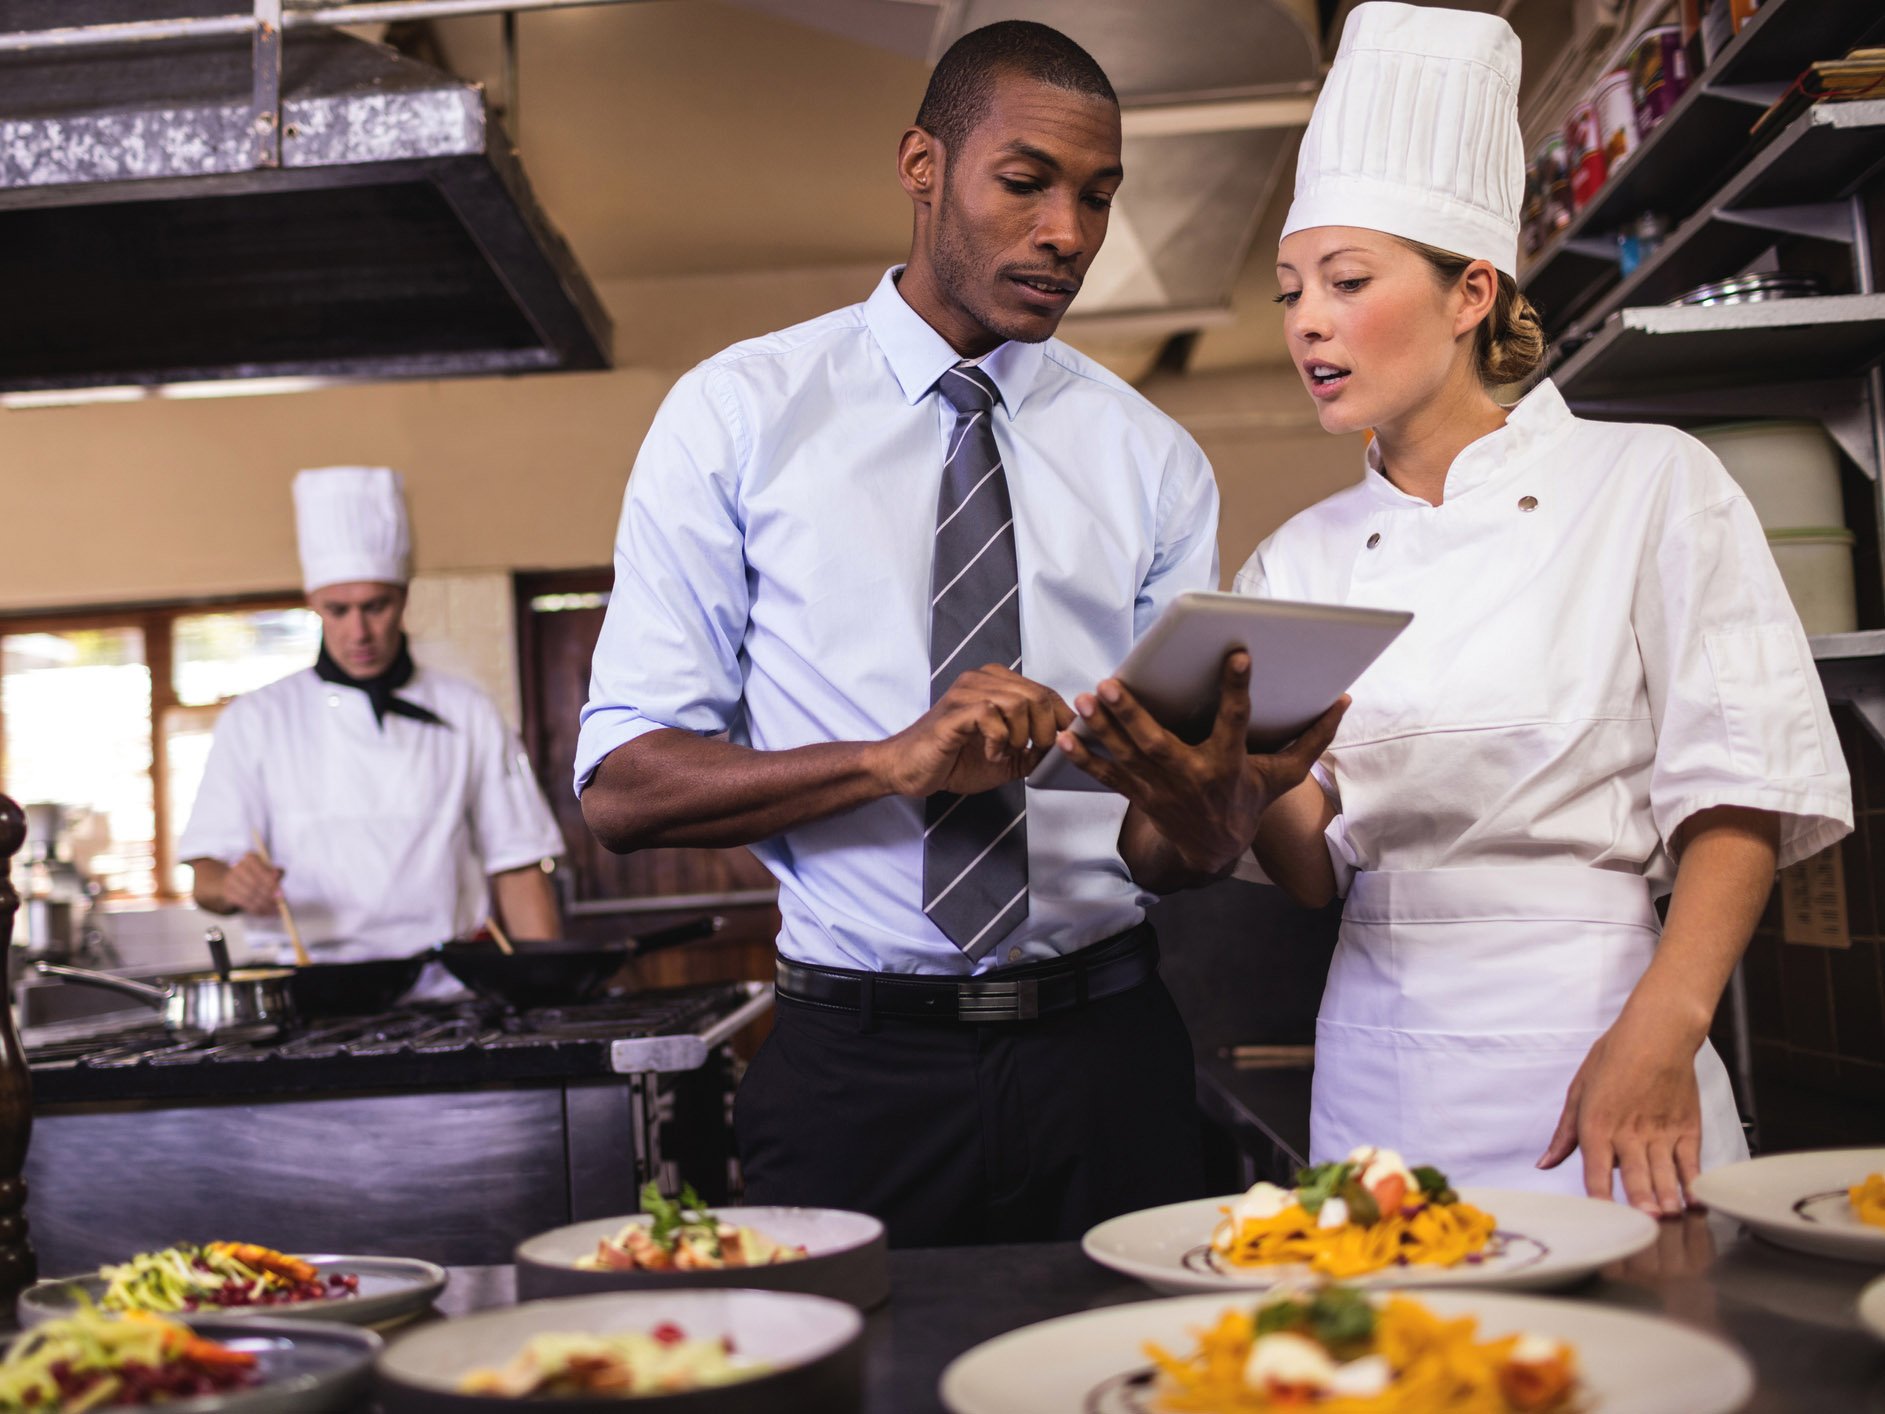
point(1340, 1351)
point(626, 1363)
point(1868, 1199)
point(686, 1237)
point(92, 1359)
point(1364, 1214)
point(217, 1276)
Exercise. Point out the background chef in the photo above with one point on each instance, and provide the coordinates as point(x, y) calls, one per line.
point(396, 806)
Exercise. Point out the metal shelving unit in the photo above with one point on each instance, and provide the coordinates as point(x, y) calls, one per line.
point(1699, 145)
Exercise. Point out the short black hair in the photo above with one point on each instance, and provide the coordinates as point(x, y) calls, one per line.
point(963, 86)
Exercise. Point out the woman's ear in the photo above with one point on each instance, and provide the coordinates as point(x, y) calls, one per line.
point(1476, 291)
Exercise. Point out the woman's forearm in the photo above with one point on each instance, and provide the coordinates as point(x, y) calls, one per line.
point(1726, 871)
point(1291, 847)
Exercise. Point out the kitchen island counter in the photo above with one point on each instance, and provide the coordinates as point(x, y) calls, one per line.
point(1793, 1315)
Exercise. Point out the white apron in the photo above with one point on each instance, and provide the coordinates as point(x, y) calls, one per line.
point(1459, 1006)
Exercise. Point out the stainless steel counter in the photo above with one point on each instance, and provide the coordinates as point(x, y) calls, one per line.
point(1793, 1315)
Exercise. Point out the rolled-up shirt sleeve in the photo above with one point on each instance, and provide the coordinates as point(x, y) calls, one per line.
point(669, 652)
point(1739, 711)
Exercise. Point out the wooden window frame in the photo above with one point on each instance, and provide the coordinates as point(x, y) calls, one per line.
point(158, 624)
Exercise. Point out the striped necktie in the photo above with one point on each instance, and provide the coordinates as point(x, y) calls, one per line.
point(975, 847)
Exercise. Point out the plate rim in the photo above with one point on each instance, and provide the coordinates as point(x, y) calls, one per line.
point(1440, 1278)
point(432, 1279)
point(876, 1232)
point(1862, 1243)
point(1870, 1306)
point(1738, 1360)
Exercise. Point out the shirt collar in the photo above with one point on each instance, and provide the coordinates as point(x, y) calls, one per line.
point(918, 355)
point(1532, 425)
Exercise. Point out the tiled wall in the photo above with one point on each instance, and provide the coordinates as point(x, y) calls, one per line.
point(1818, 1014)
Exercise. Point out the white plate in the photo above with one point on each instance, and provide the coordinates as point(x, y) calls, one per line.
point(1872, 1307)
point(391, 1289)
point(1799, 1200)
point(1548, 1240)
point(1630, 1363)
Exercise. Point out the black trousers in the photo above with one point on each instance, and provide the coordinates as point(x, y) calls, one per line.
point(952, 1133)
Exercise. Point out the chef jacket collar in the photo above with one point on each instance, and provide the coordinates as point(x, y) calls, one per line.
point(918, 355)
point(1533, 426)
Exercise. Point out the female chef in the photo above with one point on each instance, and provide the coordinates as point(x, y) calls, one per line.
point(1605, 692)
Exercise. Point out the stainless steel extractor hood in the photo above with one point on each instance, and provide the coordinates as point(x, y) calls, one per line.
point(384, 229)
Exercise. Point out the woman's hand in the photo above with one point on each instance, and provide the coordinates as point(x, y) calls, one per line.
point(1633, 1106)
point(1202, 802)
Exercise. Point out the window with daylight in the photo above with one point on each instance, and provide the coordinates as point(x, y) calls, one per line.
point(110, 714)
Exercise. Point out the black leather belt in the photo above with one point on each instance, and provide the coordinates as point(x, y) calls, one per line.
point(1020, 993)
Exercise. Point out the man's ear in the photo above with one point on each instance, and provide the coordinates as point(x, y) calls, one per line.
point(919, 164)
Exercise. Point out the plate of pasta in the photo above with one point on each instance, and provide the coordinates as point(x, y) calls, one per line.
point(1377, 1352)
point(1830, 1202)
point(1373, 1221)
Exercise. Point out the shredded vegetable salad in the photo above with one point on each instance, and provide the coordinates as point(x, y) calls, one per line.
point(1340, 1354)
point(1868, 1199)
point(1347, 1219)
point(218, 1275)
point(684, 1237)
point(662, 1361)
point(92, 1359)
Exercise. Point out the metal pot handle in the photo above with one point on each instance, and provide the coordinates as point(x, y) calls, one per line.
point(142, 991)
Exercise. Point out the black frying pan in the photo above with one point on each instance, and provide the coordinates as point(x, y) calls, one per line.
point(555, 973)
point(353, 988)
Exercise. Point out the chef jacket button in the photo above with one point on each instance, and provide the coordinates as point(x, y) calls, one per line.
point(1014, 954)
point(1528, 503)
point(1374, 540)
point(333, 699)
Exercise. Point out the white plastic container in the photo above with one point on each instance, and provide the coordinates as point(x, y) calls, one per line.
point(1790, 472)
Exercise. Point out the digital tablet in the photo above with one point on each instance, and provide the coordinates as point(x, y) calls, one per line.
point(1302, 657)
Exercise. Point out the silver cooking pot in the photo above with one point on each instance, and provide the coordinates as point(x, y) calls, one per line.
point(249, 1004)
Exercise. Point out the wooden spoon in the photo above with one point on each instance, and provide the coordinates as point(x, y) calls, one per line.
point(287, 914)
point(497, 931)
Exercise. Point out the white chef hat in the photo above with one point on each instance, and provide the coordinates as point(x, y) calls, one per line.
point(1416, 133)
point(350, 524)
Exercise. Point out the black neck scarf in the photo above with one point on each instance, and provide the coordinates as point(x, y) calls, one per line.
point(380, 690)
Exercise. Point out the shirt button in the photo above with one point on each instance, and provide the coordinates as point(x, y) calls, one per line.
point(1014, 954)
point(1374, 540)
point(334, 700)
point(1528, 503)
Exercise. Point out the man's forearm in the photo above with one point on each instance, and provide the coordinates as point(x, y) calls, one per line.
point(1154, 862)
point(526, 902)
point(672, 787)
point(207, 886)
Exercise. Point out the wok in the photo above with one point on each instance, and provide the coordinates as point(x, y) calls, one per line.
point(353, 988)
point(556, 973)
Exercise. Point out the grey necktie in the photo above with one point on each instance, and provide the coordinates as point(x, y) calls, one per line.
point(975, 847)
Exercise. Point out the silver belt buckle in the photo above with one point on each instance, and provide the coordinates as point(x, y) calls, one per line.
point(1019, 1000)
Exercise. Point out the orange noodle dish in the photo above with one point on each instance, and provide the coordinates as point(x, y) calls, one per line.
point(1868, 1199)
point(1338, 1353)
point(1365, 1214)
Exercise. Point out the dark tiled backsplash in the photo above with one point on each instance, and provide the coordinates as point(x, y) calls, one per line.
point(1818, 1014)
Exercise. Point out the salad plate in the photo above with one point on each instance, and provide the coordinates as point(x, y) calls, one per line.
point(390, 1289)
point(1542, 1241)
point(845, 1256)
point(302, 1367)
point(1096, 1362)
point(807, 1347)
point(1800, 1200)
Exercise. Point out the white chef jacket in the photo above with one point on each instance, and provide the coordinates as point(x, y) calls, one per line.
point(1601, 647)
point(385, 833)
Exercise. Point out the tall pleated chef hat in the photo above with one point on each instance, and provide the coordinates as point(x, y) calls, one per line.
point(350, 524)
point(1416, 133)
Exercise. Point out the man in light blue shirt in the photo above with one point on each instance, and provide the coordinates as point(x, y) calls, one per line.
point(860, 565)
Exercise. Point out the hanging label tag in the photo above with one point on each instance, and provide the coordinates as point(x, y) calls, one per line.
point(1813, 901)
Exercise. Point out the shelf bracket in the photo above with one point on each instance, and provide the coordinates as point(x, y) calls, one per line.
point(265, 103)
point(1756, 95)
point(1859, 683)
point(1823, 220)
point(1843, 406)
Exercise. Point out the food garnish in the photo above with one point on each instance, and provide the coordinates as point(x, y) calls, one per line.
point(90, 1359)
point(1868, 1199)
point(1338, 1351)
point(218, 1276)
point(684, 1237)
point(1363, 1214)
point(661, 1361)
